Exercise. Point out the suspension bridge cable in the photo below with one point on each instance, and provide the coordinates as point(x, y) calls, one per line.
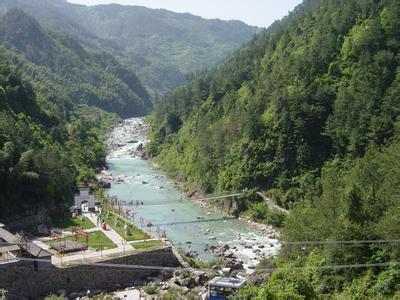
point(332, 242)
point(156, 267)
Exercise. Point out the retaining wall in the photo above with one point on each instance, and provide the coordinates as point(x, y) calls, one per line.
point(22, 280)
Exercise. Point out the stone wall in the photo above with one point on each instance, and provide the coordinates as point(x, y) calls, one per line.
point(21, 279)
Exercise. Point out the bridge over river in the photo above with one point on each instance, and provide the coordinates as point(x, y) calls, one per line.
point(186, 223)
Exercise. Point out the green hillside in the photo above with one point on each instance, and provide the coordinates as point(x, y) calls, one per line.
point(42, 157)
point(74, 75)
point(161, 46)
point(308, 111)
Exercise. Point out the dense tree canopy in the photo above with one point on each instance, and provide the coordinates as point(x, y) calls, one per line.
point(162, 47)
point(74, 75)
point(309, 111)
point(308, 89)
point(42, 158)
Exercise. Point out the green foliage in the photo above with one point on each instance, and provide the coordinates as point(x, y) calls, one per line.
point(276, 218)
point(148, 244)
point(164, 48)
point(388, 282)
point(176, 294)
point(308, 110)
point(150, 288)
point(359, 201)
point(54, 297)
point(283, 284)
point(319, 84)
point(78, 221)
point(42, 158)
point(64, 73)
point(118, 223)
point(288, 285)
point(259, 211)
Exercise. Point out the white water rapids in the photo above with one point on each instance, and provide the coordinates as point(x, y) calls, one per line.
point(134, 179)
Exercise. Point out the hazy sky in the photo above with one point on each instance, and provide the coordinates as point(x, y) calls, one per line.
point(254, 12)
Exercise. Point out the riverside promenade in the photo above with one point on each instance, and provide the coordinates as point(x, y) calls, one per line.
point(122, 247)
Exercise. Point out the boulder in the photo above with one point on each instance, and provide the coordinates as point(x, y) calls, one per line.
point(234, 264)
point(210, 248)
point(188, 282)
point(228, 254)
point(191, 254)
point(225, 247)
point(199, 273)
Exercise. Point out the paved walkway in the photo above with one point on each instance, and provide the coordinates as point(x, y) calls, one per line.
point(271, 203)
point(47, 238)
point(91, 254)
point(140, 241)
point(122, 245)
point(110, 232)
point(92, 229)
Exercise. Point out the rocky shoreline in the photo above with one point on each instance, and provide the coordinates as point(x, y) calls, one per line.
point(137, 128)
point(198, 196)
point(128, 139)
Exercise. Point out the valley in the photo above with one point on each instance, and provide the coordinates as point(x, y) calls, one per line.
point(183, 157)
point(186, 223)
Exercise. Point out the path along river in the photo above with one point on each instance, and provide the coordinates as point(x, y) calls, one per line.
point(136, 179)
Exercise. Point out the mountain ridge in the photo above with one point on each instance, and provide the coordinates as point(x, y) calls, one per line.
point(309, 113)
point(161, 46)
point(79, 76)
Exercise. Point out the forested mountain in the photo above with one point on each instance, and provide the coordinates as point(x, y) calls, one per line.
point(161, 46)
point(52, 92)
point(309, 111)
point(59, 67)
point(43, 158)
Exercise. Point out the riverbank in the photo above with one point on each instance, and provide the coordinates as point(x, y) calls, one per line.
point(189, 223)
point(198, 196)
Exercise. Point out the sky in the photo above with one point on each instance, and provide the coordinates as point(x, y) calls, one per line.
point(261, 13)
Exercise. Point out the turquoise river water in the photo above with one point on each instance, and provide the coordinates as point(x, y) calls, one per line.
point(186, 223)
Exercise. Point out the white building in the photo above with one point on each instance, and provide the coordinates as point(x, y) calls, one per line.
point(84, 201)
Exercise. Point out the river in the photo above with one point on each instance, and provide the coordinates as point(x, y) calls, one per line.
point(186, 223)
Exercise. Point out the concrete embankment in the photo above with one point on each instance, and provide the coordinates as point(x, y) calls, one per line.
point(22, 279)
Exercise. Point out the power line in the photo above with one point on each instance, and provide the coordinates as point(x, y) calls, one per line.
point(195, 221)
point(290, 268)
point(132, 243)
point(341, 242)
point(160, 202)
point(339, 267)
point(100, 264)
point(306, 242)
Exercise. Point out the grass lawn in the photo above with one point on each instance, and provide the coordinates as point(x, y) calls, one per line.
point(136, 233)
point(68, 224)
point(97, 239)
point(148, 244)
